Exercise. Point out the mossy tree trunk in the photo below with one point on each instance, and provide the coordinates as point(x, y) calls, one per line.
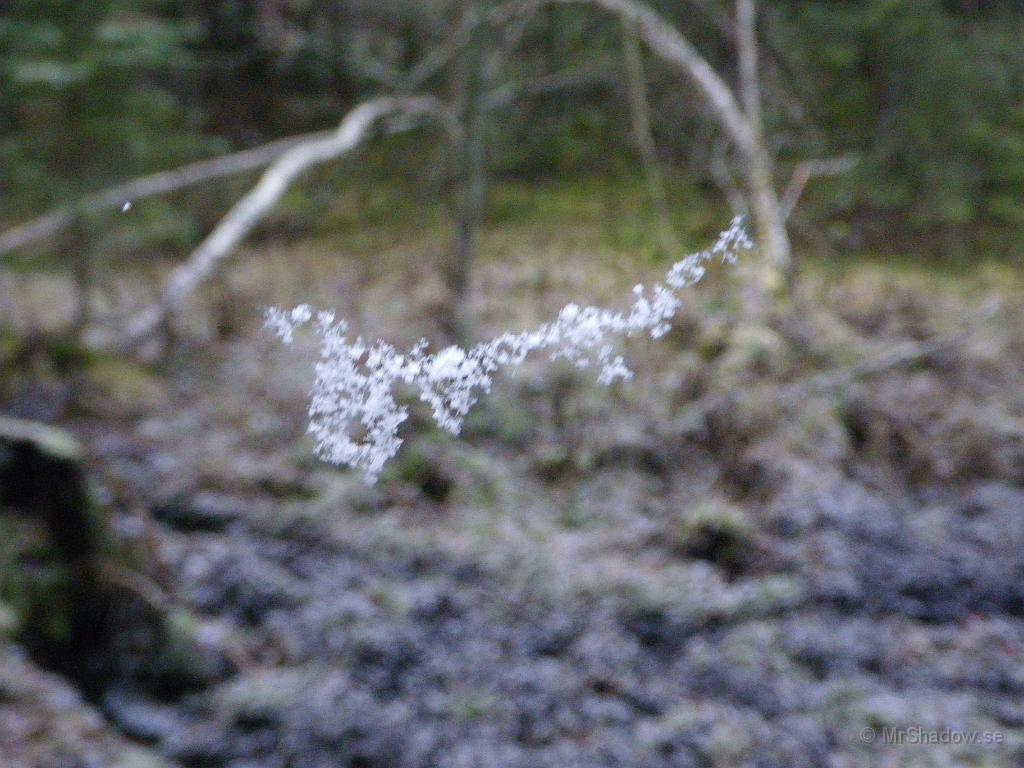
point(60, 606)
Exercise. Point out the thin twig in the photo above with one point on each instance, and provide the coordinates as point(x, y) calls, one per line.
point(574, 77)
point(640, 111)
point(251, 209)
point(52, 223)
point(805, 171)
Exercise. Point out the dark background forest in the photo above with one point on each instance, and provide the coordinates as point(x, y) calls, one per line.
point(795, 538)
point(927, 95)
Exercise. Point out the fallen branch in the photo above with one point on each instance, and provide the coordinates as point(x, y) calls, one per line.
point(904, 355)
point(53, 223)
point(795, 394)
point(251, 209)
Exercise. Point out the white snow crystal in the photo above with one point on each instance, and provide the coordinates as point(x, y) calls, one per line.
point(355, 382)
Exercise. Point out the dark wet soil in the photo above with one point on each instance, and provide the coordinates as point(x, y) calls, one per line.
point(712, 568)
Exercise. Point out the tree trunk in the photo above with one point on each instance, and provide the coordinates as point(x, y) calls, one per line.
point(44, 487)
point(470, 169)
point(640, 112)
point(770, 225)
point(77, 244)
point(742, 122)
point(770, 275)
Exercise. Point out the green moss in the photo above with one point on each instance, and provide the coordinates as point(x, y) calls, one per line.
point(180, 628)
point(926, 276)
point(113, 386)
point(753, 349)
point(49, 545)
point(553, 462)
point(472, 706)
point(10, 621)
point(263, 696)
point(712, 342)
point(67, 353)
point(572, 514)
point(51, 441)
point(499, 418)
point(10, 344)
point(717, 531)
point(615, 210)
point(34, 586)
point(181, 661)
point(771, 595)
point(412, 464)
point(423, 462)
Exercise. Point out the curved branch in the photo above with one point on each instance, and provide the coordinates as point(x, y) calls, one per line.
point(668, 43)
point(574, 77)
point(59, 219)
point(251, 209)
point(805, 171)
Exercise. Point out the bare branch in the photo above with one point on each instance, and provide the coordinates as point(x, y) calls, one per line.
point(409, 80)
point(723, 178)
point(805, 171)
point(433, 62)
point(574, 77)
point(248, 211)
point(59, 219)
point(744, 128)
point(667, 42)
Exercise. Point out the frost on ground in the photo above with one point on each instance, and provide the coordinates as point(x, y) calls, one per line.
point(355, 380)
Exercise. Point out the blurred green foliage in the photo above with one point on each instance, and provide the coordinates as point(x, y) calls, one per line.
point(85, 97)
point(931, 94)
point(928, 93)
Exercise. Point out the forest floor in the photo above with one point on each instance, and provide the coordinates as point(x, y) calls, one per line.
point(790, 545)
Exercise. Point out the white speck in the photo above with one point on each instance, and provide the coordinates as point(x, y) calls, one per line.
point(126, 207)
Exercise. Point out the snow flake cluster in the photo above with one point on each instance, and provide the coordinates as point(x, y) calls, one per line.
point(354, 391)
